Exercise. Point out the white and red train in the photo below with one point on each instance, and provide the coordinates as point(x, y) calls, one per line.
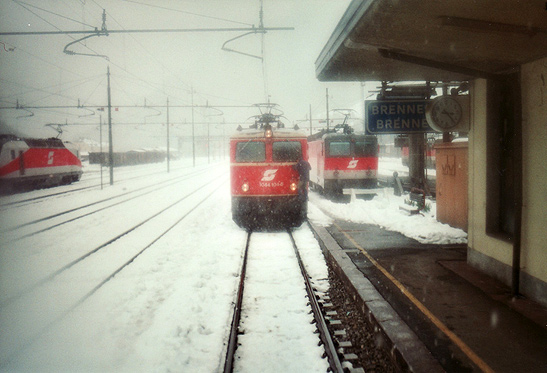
point(265, 185)
point(36, 163)
point(342, 162)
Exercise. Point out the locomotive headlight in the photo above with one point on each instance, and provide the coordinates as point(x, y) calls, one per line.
point(268, 131)
point(293, 186)
point(245, 187)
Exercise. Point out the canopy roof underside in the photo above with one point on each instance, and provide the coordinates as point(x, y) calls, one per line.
point(433, 40)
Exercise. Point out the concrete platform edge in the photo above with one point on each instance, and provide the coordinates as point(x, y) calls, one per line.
point(407, 350)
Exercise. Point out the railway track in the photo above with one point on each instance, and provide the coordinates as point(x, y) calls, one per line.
point(79, 187)
point(264, 310)
point(94, 207)
point(104, 245)
point(121, 250)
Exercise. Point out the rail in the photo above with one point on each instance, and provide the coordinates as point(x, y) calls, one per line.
point(328, 344)
point(232, 340)
point(330, 348)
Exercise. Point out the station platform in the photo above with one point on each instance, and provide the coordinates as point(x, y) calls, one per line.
point(435, 312)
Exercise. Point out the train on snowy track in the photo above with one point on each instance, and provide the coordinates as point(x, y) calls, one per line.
point(268, 190)
point(130, 158)
point(27, 163)
point(343, 162)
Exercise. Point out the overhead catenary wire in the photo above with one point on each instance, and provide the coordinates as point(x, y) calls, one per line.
point(53, 13)
point(184, 83)
point(263, 47)
point(123, 106)
point(46, 89)
point(146, 50)
point(20, 49)
point(187, 12)
point(104, 32)
point(49, 23)
point(101, 82)
point(143, 31)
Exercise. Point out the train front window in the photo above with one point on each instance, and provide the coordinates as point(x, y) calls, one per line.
point(339, 149)
point(365, 149)
point(286, 151)
point(250, 151)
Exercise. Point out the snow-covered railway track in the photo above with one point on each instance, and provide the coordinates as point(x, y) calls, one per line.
point(114, 239)
point(17, 201)
point(89, 208)
point(268, 313)
point(102, 264)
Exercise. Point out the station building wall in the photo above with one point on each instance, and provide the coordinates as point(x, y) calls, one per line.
point(490, 252)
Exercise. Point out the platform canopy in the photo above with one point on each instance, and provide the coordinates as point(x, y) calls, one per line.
point(433, 40)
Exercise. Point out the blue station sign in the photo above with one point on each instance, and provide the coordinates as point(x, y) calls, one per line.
point(392, 117)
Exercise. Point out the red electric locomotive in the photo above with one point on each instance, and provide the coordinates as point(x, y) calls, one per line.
point(342, 161)
point(35, 163)
point(264, 178)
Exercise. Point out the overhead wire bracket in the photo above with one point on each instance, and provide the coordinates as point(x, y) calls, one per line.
point(259, 30)
point(102, 32)
point(19, 107)
point(255, 31)
point(158, 112)
point(91, 112)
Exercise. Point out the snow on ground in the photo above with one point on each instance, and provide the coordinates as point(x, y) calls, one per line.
point(278, 330)
point(170, 310)
point(167, 311)
point(383, 210)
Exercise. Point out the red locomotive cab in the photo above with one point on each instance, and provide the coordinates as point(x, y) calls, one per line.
point(265, 184)
point(33, 163)
point(343, 163)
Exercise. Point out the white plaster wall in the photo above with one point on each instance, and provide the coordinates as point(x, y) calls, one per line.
point(497, 249)
point(534, 214)
point(495, 255)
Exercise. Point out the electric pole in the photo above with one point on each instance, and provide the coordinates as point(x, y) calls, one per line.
point(327, 98)
point(110, 146)
point(193, 134)
point(168, 135)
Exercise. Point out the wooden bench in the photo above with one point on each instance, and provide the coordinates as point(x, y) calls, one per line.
point(415, 203)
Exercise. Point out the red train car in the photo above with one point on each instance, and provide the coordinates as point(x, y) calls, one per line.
point(36, 163)
point(341, 162)
point(264, 179)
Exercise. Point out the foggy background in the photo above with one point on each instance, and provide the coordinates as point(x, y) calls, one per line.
point(149, 68)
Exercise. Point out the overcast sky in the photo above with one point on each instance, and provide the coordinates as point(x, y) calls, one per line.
point(152, 67)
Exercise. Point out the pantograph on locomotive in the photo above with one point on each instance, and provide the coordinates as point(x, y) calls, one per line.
point(342, 161)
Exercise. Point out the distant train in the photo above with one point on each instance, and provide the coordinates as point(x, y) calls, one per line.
point(130, 158)
point(341, 161)
point(266, 187)
point(37, 163)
